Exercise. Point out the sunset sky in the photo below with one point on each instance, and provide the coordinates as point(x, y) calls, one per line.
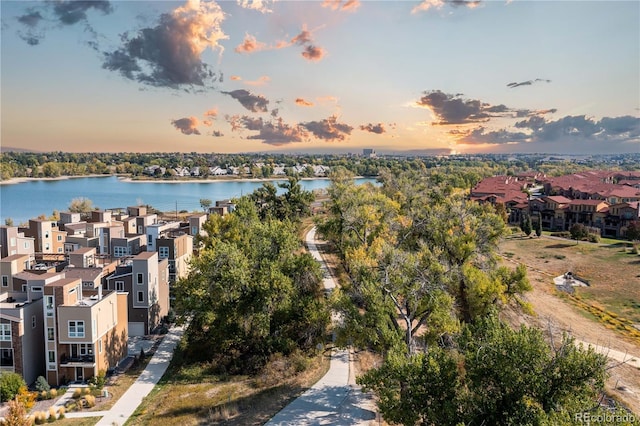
point(321, 76)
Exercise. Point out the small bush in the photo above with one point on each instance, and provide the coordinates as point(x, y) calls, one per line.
point(53, 414)
point(43, 395)
point(53, 393)
point(86, 391)
point(10, 384)
point(90, 401)
point(593, 238)
point(559, 256)
point(40, 417)
point(61, 411)
point(42, 384)
point(561, 234)
point(77, 393)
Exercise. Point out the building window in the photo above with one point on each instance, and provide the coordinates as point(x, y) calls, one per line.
point(6, 357)
point(59, 237)
point(121, 251)
point(13, 241)
point(85, 349)
point(141, 296)
point(76, 328)
point(140, 278)
point(33, 321)
point(119, 285)
point(50, 334)
point(36, 289)
point(99, 346)
point(26, 244)
point(5, 332)
point(46, 246)
point(163, 252)
point(5, 281)
point(48, 300)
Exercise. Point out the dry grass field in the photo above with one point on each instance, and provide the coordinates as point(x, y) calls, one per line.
point(192, 396)
point(605, 313)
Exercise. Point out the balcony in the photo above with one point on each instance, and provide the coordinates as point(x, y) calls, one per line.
point(78, 361)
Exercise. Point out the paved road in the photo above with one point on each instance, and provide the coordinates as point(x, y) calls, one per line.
point(335, 399)
point(131, 399)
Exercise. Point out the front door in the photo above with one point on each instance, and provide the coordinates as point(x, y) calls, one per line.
point(79, 374)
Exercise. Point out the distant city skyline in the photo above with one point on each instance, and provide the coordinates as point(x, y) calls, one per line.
point(321, 76)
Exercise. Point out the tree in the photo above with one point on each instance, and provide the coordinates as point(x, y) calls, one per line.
point(495, 375)
point(525, 224)
point(10, 384)
point(578, 232)
point(250, 292)
point(8, 221)
point(537, 226)
point(419, 258)
point(81, 205)
point(633, 231)
point(205, 203)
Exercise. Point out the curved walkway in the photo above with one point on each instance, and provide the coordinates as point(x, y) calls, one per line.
point(335, 399)
point(132, 398)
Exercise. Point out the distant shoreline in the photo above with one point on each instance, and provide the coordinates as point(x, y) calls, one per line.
point(127, 179)
point(16, 180)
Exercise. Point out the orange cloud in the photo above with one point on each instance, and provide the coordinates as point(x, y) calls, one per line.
point(259, 82)
point(313, 53)
point(250, 44)
point(302, 102)
point(211, 113)
point(235, 78)
point(349, 5)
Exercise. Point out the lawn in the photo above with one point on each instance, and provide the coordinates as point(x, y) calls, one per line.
point(612, 271)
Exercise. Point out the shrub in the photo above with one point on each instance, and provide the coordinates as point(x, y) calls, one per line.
point(40, 417)
point(41, 384)
point(26, 398)
point(90, 401)
point(61, 411)
point(77, 393)
point(43, 395)
point(53, 393)
point(10, 384)
point(97, 382)
point(593, 238)
point(53, 414)
point(86, 391)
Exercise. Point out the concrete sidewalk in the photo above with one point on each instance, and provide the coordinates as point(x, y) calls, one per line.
point(131, 399)
point(335, 399)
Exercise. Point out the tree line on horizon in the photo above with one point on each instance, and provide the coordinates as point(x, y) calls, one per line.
point(468, 170)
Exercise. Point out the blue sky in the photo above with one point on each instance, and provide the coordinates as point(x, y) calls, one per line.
point(321, 76)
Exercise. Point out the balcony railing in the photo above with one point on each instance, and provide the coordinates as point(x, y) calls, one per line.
point(81, 359)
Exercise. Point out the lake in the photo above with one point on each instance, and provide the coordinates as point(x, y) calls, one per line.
point(27, 200)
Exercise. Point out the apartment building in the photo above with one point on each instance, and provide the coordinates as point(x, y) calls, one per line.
point(21, 335)
point(85, 330)
point(12, 241)
point(10, 266)
point(145, 279)
point(177, 248)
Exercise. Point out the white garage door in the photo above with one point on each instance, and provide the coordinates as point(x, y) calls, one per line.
point(136, 329)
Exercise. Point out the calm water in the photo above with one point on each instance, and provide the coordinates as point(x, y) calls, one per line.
point(27, 200)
